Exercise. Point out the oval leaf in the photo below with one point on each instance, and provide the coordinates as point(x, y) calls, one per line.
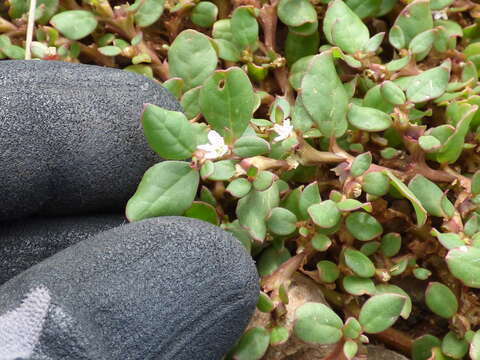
point(167, 188)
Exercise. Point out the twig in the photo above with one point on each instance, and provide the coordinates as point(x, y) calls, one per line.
point(31, 23)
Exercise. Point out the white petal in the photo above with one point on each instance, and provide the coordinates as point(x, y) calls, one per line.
point(206, 147)
point(215, 138)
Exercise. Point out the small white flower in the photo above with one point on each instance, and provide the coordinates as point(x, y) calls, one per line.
point(440, 15)
point(284, 131)
point(216, 148)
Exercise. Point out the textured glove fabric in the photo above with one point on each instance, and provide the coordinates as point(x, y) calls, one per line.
point(26, 242)
point(71, 139)
point(163, 288)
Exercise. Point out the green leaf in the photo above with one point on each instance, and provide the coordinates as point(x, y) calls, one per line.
point(431, 197)
point(352, 328)
point(475, 347)
point(75, 24)
point(422, 43)
point(414, 19)
point(253, 209)
point(227, 101)
point(364, 8)
point(454, 346)
point(464, 265)
point(204, 14)
point(244, 27)
point(358, 286)
point(376, 183)
point(296, 12)
point(353, 205)
point(149, 12)
point(324, 96)
point(359, 263)
point(373, 44)
point(252, 345)
point(430, 84)
point(393, 93)
point(325, 214)
point(391, 244)
point(380, 312)
point(321, 242)
point(110, 50)
point(168, 133)
point(222, 170)
point(144, 70)
point(190, 103)
point(393, 289)
point(441, 300)
point(429, 143)
point(167, 188)
point(440, 4)
point(264, 303)
point(248, 146)
point(317, 324)
point(203, 211)
point(271, 259)
point(14, 52)
point(192, 58)
point(340, 23)
point(363, 226)
point(397, 37)
point(453, 146)
point(375, 99)
point(299, 47)
point(450, 240)
point(263, 180)
point(369, 248)
point(420, 211)
point(361, 164)
point(327, 271)
point(422, 347)
point(310, 195)
point(239, 187)
point(174, 86)
point(476, 183)
point(421, 273)
point(227, 50)
point(282, 221)
point(350, 349)
point(279, 335)
point(368, 119)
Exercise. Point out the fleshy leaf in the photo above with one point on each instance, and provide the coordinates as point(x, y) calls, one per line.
point(168, 133)
point(441, 300)
point(192, 58)
point(227, 100)
point(430, 84)
point(414, 19)
point(324, 96)
point(253, 209)
point(368, 119)
point(317, 324)
point(167, 188)
point(420, 211)
point(464, 265)
point(380, 312)
point(431, 197)
point(75, 24)
point(340, 23)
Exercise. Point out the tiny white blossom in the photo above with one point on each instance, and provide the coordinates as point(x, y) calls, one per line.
point(440, 15)
point(283, 131)
point(216, 147)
